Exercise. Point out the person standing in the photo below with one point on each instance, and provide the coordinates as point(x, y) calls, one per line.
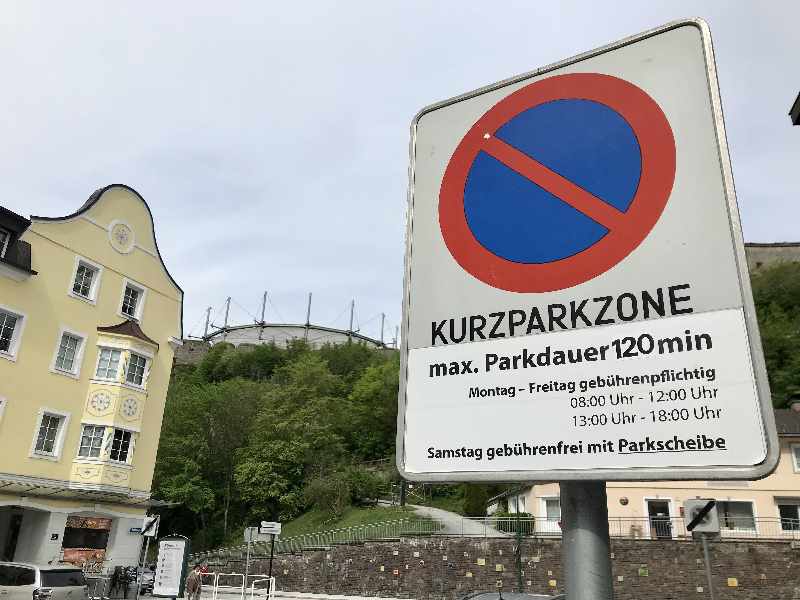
point(194, 584)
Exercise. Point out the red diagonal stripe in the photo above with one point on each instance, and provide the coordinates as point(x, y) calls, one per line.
point(562, 188)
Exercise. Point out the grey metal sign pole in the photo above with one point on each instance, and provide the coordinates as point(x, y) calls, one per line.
point(586, 543)
point(247, 565)
point(271, 557)
point(707, 558)
point(140, 574)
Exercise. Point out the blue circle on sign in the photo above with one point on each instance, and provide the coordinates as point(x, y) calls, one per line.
point(583, 141)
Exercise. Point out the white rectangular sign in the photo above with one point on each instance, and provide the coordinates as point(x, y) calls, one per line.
point(269, 527)
point(169, 568)
point(576, 299)
point(651, 393)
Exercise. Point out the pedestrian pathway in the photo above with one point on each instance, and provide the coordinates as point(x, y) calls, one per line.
point(455, 524)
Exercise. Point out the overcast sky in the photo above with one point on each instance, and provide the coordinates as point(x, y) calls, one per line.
point(271, 138)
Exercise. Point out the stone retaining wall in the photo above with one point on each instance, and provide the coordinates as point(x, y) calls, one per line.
point(433, 568)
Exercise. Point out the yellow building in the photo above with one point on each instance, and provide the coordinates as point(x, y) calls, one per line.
point(768, 508)
point(89, 320)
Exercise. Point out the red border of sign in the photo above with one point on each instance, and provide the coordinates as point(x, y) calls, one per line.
point(657, 145)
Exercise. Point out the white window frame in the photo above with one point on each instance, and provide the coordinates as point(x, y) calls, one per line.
point(792, 448)
point(787, 502)
point(4, 243)
point(544, 525)
point(515, 501)
point(148, 361)
point(58, 447)
point(670, 513)
point(110, 444)
point(139, 305)
point(78, 363)
point(95, 287)
point(752, 504)
point(16, 337)
point(120, 365)
point(102, 442)
point(543, 507)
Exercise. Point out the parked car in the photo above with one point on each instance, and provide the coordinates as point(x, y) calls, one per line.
point(25, 581)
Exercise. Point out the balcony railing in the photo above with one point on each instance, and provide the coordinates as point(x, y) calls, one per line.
point(651, 528)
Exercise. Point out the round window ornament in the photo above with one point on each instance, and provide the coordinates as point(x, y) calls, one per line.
point(100, 401)
point(623, 501)
point(130, 407)
point(121, 237)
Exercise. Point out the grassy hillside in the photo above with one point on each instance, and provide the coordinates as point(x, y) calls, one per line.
point(315, 520)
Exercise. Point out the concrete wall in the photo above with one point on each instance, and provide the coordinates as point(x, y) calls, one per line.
point(449, 568)
point(762, 255)
point(192, 352)
point(282, 335)
point(124, 547)
point(36, 543)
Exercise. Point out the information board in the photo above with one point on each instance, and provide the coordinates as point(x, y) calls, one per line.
point(576, 299)
point(170, 567)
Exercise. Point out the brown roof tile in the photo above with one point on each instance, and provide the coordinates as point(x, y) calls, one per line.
point(129, 328)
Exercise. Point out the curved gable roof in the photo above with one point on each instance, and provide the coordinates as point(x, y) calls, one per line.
point(93, 199)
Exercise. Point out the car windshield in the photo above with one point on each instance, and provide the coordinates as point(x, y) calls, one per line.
point(63, 578)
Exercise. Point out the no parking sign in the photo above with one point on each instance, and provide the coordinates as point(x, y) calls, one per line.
point(576, 302)
point(585, 164)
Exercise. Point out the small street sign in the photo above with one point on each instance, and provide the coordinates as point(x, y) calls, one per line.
point(252, 535)
point(271, 528)
point(150, 526)
point(576, 303)
point(701, 516)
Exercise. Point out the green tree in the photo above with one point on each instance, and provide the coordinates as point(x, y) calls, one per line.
point(293, 439)
point(349, 361)
point(201, 437)
point(776, 291)
point(182, 453)
point(475, 497)
point(372, 411)
point(249, 430)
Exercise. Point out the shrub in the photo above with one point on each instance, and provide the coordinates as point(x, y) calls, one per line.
point(475, 498)
point(365, 485)
point(508, 523)
point(329, 494)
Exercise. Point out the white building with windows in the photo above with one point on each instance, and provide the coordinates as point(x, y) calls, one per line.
point(769, 507)
point(89, 321)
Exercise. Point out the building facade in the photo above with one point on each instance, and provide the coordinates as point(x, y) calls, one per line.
point(89, 320)
point(769, 507)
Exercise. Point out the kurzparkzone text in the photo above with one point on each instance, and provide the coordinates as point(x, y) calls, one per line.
point(603, 310)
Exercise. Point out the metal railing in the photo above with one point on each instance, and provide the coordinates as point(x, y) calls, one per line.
point(619, 527)
point(649, 527)
point(384, 530)
point(228, 586)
